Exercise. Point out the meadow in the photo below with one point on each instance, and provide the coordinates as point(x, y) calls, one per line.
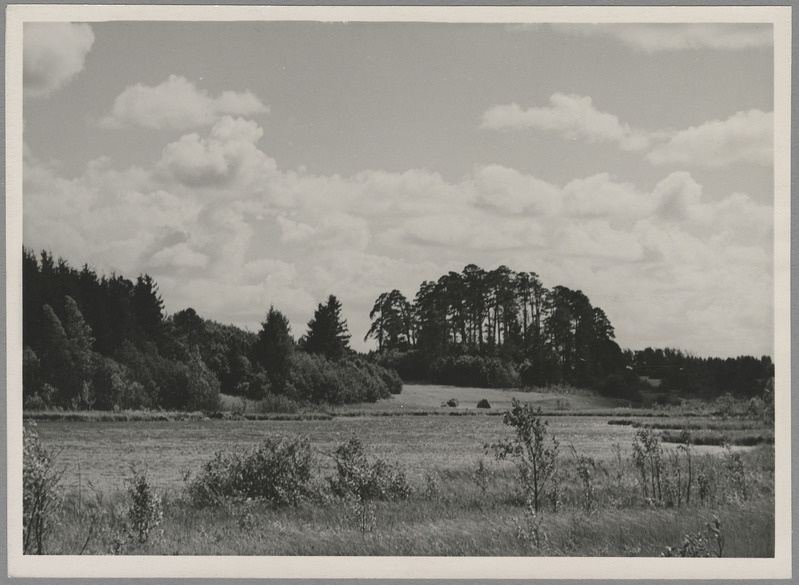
point(460, 500)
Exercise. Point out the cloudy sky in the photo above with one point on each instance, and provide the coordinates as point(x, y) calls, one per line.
point(247, 164)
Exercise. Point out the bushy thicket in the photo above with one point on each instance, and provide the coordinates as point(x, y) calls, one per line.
point(473, 370)
point(316, 379)
point(626, 385)
point(281, 471)
point(277, 471)
point(453, 370)
point(364, 479)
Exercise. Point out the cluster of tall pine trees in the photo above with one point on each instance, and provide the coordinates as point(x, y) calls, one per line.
point(497, 320)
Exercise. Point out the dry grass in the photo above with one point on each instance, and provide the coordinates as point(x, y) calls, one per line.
point(458, 519)
point(454, 518)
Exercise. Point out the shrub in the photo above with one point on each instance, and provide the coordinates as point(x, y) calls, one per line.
point(626, 385)
point(277, 403)
point(483, 404)
point(41, 496)
point(145, 513)
point(452, 402)
point(648, 459)
point(536, 458)
point(278, 471)
point(357, 476)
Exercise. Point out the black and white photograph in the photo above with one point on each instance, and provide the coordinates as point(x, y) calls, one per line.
point(394, 292)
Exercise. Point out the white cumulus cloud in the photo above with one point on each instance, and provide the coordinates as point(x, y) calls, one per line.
point(746, 136)
point(252, 235)
point(572, 116)
point(178, 103)
point(52, 54)
point(743, 137)
point(229, 153)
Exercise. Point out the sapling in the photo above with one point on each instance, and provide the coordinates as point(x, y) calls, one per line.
point(536, 458)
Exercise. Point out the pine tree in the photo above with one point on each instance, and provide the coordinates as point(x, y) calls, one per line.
point(327, 332)
point(148, 309)
point(274, 347)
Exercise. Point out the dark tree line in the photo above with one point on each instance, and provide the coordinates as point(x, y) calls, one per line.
point(499, 321)
point(687, 375)
point(105, 342)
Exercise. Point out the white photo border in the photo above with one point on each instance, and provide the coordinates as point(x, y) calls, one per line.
point(217, 567)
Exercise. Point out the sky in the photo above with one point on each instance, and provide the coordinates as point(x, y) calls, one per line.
point(249, 164)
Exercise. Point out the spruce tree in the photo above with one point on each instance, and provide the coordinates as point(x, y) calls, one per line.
point(327, 332)
point(274, 347)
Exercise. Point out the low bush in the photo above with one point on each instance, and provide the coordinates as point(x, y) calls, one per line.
point(483, 404)
point(278, 471)
point(277, 404)
point(366, 479)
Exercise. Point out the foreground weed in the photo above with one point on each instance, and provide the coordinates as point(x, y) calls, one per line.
point(708, 542)
point(648, 459)
point(145, 512)
point(481, 477)
point(736, 475)
point(432, 489)
point(361, 513)
point(687, 448)
point(586, 466)
point(530, 529)
point(41, 494)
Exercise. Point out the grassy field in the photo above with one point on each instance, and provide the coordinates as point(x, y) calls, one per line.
point(450, 511)
point(101, 453)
